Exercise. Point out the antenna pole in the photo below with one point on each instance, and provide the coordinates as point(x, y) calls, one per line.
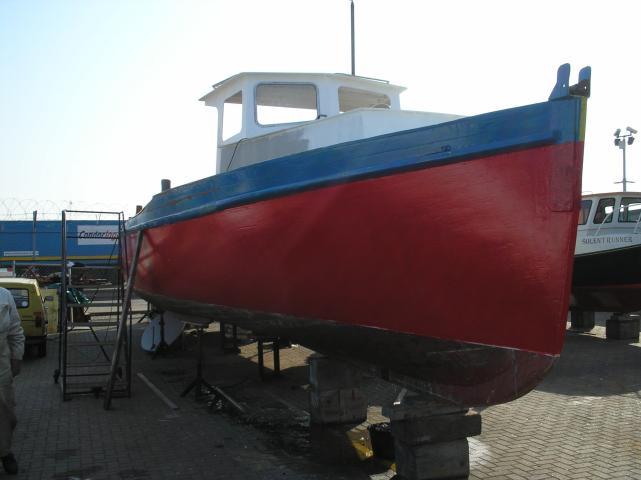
point(353, 50)
point(625, 181)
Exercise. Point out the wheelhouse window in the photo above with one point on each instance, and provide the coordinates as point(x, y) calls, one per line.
point(630, 209)
point(604, 211)
point(353, 98)
point(233, 115)
point(584, 213)
point(20, 296)
point(278, 103)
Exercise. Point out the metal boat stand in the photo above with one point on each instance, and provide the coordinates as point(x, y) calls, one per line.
point(430, 437)
point(274, 343)
point(163, 346)
point(199, 383)
point(147, 314)
point(225, 344)
point(204, 387)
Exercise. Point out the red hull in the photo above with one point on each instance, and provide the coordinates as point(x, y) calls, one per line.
point(478, 251)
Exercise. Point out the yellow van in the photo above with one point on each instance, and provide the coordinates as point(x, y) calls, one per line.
point(26, 294)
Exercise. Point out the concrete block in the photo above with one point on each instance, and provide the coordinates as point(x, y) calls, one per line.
point(438, 428)
point(622, 327)
point(581, 321)
point(433, 461)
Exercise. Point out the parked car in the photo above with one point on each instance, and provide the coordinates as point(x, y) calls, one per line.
point(26, 294)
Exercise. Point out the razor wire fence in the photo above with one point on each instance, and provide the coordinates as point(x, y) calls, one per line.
point(28, 209)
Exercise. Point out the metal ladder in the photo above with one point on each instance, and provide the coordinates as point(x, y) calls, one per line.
point(95, 319)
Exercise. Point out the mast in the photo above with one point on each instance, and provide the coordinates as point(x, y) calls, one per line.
point(353, 48)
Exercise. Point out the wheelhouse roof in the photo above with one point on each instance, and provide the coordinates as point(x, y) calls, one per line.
point(587, 196)
point(356, 82)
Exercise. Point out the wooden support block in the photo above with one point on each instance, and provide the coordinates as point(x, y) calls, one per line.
point(334, 395)
point(337, 406)
point(433, 461)
point(327, 374)
point(438, 428)
point(581, 321)
point(622, 327)
point(411, 406)
point(430, 437)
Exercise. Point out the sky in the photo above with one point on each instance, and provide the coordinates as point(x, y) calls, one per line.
point(99, 98)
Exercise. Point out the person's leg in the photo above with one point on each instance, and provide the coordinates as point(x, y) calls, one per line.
point(7, 424)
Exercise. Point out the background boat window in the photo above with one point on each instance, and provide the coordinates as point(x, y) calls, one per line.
point(233, 115)
point(584, 213)
point(604, 211)
point(352, 98)
point(278, 103)
point(20, 296)
point(630, 209)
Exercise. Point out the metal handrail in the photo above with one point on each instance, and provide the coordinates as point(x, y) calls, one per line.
point(604, 221)
point(636, 227)
point(611, 214)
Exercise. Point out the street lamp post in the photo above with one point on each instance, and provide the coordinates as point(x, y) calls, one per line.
point(621, 141)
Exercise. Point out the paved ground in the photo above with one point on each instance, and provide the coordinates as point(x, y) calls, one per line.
point(584, 421)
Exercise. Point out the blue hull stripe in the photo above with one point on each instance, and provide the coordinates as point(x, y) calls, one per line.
point(553, 122)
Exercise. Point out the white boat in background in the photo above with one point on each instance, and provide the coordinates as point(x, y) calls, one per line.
point(607, 262)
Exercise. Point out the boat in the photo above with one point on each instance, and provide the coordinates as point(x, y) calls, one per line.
point(607, 262)
point(392, 239)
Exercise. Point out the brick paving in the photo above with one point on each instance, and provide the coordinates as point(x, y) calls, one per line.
point(584, 421)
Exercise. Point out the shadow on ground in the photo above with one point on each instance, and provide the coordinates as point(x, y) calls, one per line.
point(277, 406)
point(593, 366)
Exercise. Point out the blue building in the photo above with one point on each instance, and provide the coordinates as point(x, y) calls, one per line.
point(92, 242)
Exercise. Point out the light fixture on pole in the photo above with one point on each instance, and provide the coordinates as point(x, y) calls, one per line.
point(621, 141)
